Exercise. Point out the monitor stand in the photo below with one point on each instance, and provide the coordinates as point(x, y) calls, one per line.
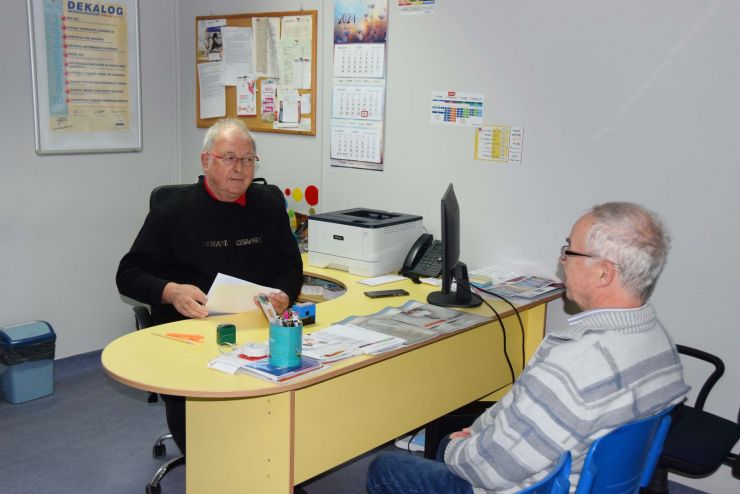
point(461, 297)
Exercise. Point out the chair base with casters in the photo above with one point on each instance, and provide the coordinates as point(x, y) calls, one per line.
point(159, 450)
point(153, 486)
point(698, 442)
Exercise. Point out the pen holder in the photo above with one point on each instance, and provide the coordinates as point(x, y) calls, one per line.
point(286, 343)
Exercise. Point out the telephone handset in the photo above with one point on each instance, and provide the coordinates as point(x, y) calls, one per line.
point(424, 258)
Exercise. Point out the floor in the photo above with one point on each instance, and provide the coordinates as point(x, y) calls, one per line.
point(94, 435)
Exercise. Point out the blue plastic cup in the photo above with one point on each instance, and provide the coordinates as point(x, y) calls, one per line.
point(286, 343)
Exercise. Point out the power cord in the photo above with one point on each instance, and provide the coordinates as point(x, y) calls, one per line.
point(518, 316)
point(500, 320)
point(411, 439)
point(503, 334)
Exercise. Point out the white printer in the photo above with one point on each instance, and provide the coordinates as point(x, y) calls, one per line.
point(365, 242)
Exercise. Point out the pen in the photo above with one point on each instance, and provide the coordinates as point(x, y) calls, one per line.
point(187, 342)
point(198, 338)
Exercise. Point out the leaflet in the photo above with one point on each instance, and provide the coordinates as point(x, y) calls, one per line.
point(342, 341)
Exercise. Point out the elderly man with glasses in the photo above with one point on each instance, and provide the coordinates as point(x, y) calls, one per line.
point(613, 364)
point(219, 224)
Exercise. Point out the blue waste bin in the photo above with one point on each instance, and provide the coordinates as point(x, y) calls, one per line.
point(27, 361)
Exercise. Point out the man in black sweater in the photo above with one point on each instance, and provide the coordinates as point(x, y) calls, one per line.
point(219, 224)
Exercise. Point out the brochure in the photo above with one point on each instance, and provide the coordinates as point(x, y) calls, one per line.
point(342, 341)
point(414, 321)
point(511, 285)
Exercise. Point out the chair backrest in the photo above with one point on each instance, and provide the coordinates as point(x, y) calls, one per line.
point(556, 481)
point(162, 192)
point(624, 460)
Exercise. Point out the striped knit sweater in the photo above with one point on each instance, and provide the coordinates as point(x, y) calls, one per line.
point(607, 368)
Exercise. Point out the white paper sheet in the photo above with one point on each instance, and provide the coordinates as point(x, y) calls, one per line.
point(230, 295)
point(266, 31)
point(381, 280)
point(237, 56)
point(212, 91)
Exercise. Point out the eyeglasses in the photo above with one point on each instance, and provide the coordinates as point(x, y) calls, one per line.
point(565, 253)
point(231, 160)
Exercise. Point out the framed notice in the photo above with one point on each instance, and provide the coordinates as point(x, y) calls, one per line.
point(85, 73)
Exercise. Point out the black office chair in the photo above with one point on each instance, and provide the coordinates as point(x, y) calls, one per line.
point(143, 319)
point(698, 442)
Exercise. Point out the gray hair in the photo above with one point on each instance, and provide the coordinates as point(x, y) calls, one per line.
point(215, 129)
point(634, 239)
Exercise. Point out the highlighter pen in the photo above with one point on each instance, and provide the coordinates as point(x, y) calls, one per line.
point(187, 342)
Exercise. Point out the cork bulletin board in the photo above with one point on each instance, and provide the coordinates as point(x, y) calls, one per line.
point(265, 75)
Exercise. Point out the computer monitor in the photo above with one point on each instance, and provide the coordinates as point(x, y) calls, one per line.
point(452, 268)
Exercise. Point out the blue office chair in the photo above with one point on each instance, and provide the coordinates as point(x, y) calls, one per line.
point(556, 481)
point(623, 461)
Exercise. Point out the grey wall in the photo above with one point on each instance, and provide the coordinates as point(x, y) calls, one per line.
point(65, 221)
point(626, 100)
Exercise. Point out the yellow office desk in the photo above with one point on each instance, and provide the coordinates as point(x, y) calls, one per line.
point(250, 435)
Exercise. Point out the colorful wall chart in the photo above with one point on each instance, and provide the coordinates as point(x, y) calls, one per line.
point(454, 108)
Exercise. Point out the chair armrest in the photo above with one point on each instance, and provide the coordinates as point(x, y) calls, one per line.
point(719, 370)
point(142, 317)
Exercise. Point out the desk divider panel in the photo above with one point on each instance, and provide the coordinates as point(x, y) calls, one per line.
point(262, 429)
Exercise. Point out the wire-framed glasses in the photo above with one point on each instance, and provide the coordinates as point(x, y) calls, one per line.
point(231, 160)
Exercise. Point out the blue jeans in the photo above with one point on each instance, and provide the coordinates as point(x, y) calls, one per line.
point(403, 473)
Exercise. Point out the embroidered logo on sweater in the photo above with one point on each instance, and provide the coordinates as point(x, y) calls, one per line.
point(232, 243)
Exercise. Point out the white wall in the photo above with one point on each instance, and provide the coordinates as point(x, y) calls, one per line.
point(627, 100)
point(65, 221)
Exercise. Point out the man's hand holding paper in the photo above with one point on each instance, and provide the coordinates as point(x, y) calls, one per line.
point(229, 295)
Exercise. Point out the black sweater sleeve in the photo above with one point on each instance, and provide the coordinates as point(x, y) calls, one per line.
point(137, 272)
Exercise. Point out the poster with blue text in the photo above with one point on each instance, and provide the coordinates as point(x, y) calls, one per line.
point(86, 73)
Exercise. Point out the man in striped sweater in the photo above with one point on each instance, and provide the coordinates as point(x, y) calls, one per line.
point(613, 364)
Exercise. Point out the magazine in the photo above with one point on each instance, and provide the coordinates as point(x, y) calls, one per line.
point(263, 368)
point(342, 341)
point(511, 285)
point(414, 321)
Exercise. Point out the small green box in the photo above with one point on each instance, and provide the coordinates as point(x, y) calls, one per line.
point(226, 333)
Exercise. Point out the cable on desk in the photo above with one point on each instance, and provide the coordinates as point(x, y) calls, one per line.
point(519, 318)
point(503, 334)
point(503, 329)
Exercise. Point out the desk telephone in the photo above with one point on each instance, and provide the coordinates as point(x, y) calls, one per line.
point(424, 258)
